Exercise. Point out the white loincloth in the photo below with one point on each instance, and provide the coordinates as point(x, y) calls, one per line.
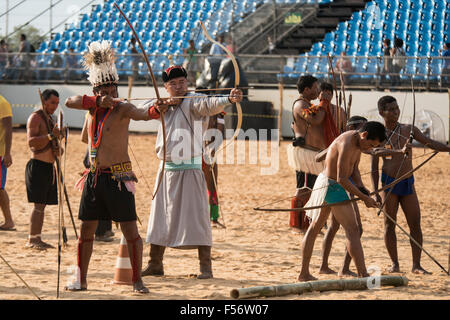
point(302, 159)
point(317, 197)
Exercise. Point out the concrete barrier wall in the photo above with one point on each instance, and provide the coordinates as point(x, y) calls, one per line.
point(24, 97)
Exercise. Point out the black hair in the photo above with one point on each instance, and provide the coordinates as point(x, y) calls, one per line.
point(98, 88)
point(326, 86)
point(357, 118)
point(305, 82)
point(173, 72)
point(375, 130)
point(383, 101)
point(356, 121)
point(47, 93)
point(398, 43)
point(2, 41)
point(23, 36)
point(447, 44)
point(387, 41)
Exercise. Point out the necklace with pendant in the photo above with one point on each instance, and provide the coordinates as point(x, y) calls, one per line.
point(95, 134)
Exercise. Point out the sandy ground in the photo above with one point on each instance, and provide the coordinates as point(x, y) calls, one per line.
point(257, 248)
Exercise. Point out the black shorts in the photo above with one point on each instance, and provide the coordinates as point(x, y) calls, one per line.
point(106, 201)
point(310, 179)
point(40, 179)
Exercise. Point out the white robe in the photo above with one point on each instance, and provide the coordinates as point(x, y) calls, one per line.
point(179, 215)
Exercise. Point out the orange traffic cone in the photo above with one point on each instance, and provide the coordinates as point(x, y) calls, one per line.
point(124, 272)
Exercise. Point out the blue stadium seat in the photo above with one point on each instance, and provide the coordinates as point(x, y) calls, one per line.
point(165, 27)
point(435, 69)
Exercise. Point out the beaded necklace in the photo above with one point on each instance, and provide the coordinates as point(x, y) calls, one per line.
point(95, 134)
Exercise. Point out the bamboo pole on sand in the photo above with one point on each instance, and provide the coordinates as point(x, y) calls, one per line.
point(320, 285)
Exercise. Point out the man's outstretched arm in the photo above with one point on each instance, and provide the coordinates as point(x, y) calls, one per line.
point(435, 145)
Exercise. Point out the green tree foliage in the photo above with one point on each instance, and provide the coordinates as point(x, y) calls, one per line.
point(34, 36)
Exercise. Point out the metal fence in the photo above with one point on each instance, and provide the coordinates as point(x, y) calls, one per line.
point(358, 72)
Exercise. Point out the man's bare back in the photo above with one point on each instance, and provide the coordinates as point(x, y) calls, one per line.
point(341, 162)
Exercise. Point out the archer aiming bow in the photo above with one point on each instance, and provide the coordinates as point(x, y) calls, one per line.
point(155, 87)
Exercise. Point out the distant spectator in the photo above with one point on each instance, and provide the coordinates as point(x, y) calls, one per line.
point(271, 45)
point(445, 73)
point(3, 57)
point(215, 49)
point(190, 63)
point(387, 61)
point(23, 58)
point(398, 60)
point(230, 45)
point(56, 63)
point(345, 65)
point(72, 65)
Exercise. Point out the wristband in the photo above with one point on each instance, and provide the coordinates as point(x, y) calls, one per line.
point(89, 102)
point(153, 112)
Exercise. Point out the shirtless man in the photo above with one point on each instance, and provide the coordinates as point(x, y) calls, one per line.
point(404, 193)
point(333, 186)
point(40, 174)
point(354, 123)
point(104, 231)
point(108, 190)
point(313, 131)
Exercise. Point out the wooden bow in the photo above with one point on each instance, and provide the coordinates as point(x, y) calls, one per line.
point(155, 86)
point(238, 105)
point(56, 145)
point(410, 140)
point(236, 84)
point(337, 118)
point(393, 183)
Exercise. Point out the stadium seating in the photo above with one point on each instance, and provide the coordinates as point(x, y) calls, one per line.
point(163, 17)
point(422, 25)
point(165, 27)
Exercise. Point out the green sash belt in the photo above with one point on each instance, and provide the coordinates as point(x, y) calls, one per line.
point(191, 164)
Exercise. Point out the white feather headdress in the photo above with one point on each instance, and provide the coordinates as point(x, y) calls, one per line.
point(99, 61)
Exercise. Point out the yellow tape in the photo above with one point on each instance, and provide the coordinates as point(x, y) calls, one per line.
point(23, 105)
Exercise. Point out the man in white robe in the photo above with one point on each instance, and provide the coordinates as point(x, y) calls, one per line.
point(179, 216)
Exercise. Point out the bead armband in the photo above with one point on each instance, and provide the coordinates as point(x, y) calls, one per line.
point(153, 112)
point(89, 102)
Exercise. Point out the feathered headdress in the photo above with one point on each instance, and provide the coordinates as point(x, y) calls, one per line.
point(99, 61)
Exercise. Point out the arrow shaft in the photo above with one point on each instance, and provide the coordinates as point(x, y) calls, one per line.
point(393, 183)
